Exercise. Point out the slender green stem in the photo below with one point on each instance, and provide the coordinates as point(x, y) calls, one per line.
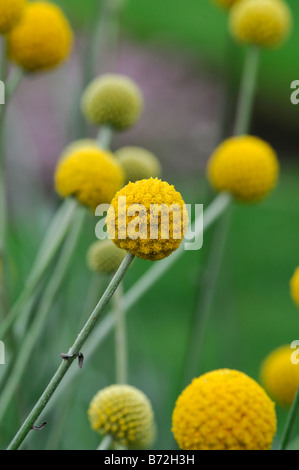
point(247, 91)
point(38, 323)
point(121, 353)
point(106, 443)
point(105, 137)
point(72, 354)
point(286, 436)
point(43, 261)
point(146, 282)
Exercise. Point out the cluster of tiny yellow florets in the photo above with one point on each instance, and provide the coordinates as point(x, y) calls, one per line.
point(105, 257)
point(148, 218)
point(138, 163)
point(294, 284)
point(42, 39)
point(224, 410)
point(11, 12)
point(226, 3)
point(91, 175)
point(245, 166)
point(280, 376)
point(113, 100)
point(265, 23)
point(125, 413)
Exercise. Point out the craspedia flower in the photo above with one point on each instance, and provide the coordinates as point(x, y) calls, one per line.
point(125, 413)
point(78, 145)
point(42, 39)
point(104, 257)
point(148, 218)
point(138, 163)
point(224, 410)
point(280, 376)
point(226, 3)
point(11, 12)
point(265, 23)
point(294, 284)
point(91, 175)
point(245, 166)
point(113, 100)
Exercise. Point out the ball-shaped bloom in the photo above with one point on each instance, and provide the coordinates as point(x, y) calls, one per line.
point(226, 3)
point(113, 100)
point(125, 413)
point(265, 23)
point(42, 39)
point(245, 166)
point(11, 12)
point(280, 376)
point(138, 164)
point(148, 218)
point(224, 410)
point(78, 145)
point(105, 257)
point(91, 175)
point(294, 284)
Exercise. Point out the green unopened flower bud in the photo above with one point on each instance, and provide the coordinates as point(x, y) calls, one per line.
point(105, 257)
point(138, 164)
point(113, 100)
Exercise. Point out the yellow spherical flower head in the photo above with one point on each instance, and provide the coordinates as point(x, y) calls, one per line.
point(148, 218)
point(224, 410)
point(125, 413)
point(42, 39)
point(265, 23)
point(78, 145)
point(91, 175)
point(113, 100)
point(11, 12)
point(245, 166)
point(226, 3)
point(104, 257)
point(138, 163)
point(294, 284)
point(280, 376)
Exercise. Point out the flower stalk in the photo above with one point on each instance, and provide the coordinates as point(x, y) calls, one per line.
point(287, 433)
point(72, 354)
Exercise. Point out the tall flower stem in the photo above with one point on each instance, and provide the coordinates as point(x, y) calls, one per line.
point(50, 247)
point(290, 423)
point(146, 282)
point(106, 443)
point(73, 353)
point(206, 293)
point(121, 353)
point(247, 91)
point(35, 329)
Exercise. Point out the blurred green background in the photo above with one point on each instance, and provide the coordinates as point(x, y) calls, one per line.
point(252, 312)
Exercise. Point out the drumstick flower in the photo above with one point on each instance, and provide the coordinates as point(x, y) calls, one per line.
point(43, 38)
point(91, 175)
point(124, 413)
point(161, 223)
point(280, 376)
point(245, 166)
point(224, 410)
point(265, 23)
point(11, 12)
point(113, 100)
